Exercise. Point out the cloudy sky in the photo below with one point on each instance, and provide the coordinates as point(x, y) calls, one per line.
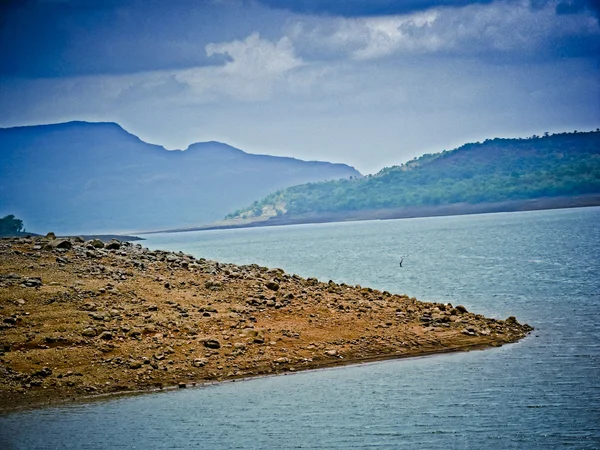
point(369, 83)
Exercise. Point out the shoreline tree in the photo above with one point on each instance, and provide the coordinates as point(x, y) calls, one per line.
point(10, 225)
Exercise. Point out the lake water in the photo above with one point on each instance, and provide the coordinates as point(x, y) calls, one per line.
point(541, 393)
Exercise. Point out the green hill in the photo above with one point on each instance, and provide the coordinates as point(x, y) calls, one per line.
point(497, 170)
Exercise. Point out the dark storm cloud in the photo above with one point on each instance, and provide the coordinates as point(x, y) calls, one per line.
point(55, 38)
point(362, 8)
point(358, 8)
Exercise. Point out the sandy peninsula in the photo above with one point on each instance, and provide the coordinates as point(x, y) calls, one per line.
point(83, 318)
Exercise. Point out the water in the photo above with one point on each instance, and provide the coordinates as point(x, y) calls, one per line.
point(541, 393)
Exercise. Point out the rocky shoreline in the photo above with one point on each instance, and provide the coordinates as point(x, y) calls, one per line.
point(87, 318)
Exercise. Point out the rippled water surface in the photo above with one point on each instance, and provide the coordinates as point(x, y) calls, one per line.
point(543, 392)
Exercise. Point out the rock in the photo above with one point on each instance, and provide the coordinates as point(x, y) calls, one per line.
point(61, 243)
point(135, 365)
point(461, 309)
point(511, 320)
point(106, 335)
point(282, 360)
point(199, 362)
point(212, 343)
point(32, 282)
point(274, 286)
point(89, 332)
point(250, 332)
point(214, 285)
point(331, 352)
point(95, 243)
point(113, 244)
point(182, 385)
point(50, 235)
point(172, 258)
point(45, 372)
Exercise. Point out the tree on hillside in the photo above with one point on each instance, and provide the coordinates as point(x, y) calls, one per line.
point(10, 225)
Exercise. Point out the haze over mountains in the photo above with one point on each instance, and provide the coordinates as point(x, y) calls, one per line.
point(492, 172)
point(80, 177)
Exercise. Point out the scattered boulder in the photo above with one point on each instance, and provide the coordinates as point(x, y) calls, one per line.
point(199, 362)
point(89, 332)
point(32, 282)
point(113, 244)
point(212, 343)
point(273, 285)
point(95, 243)
point(61, 243)
point(45, 372)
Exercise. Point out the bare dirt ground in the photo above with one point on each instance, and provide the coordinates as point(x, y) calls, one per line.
point(86, 318)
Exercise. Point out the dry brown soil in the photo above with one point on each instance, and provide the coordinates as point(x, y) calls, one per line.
point(80, 319)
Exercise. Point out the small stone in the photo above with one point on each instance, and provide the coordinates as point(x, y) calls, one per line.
point(32, 282)
point(89, 332)
point(331, 352)
point(274, 286)
point(45, 372)
point(95, 243)
point(113, 244)
point(212, 343)
point(106, 335)
point(61, 243)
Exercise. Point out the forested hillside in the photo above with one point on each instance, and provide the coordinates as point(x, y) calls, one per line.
point(496, 170)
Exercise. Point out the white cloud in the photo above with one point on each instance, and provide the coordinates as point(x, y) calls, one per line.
point(255, 68)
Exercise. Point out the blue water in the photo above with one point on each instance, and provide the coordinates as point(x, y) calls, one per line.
point(543, 392)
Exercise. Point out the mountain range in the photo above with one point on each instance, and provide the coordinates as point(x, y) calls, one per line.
point(498, 174)
point(80, 177)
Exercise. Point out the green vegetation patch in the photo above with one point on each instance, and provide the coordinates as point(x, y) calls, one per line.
point(566, 164)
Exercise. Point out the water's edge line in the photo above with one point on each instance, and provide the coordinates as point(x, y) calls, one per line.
point(366, 360)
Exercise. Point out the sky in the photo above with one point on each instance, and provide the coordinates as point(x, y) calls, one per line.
point(368, 83)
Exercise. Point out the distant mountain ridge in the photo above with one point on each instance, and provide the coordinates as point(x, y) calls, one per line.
point(510, 171)
point(96, 177)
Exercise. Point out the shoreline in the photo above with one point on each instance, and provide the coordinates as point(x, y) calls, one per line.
point(457, 209)
point(81, 319)
point(53, 401)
